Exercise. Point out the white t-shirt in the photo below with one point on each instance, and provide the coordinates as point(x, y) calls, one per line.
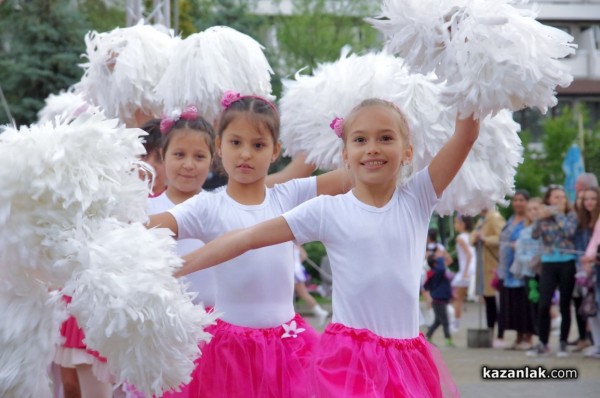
point(376, 254)
point(202, 282)
point(255, 289)
point(458, 280)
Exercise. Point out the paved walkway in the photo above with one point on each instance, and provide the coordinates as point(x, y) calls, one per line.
point(465, 365)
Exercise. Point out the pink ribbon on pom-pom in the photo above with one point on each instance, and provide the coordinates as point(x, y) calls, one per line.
point(229, 98)
point(190, 112)
point(337, 125)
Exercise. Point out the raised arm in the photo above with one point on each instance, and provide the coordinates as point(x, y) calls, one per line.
point(298, 168)
point(446, 164)
point(163, 220)
point(236, 243)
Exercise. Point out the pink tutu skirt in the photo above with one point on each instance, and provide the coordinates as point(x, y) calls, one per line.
point(73, 351)
point(248, 362)
point(358, 363)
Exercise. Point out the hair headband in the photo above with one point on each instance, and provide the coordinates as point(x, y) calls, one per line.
point(190, 112)
point(230, 97)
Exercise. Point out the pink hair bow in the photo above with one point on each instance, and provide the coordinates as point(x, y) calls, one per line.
point(190, 112)
point(229, 98)
point(337, 125)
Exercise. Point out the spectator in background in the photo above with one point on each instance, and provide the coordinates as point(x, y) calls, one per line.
point(584, 181)
point(513, 295)
point(485, 237)
point(556, 230)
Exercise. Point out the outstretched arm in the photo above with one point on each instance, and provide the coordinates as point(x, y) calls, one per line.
point(163, 220)
point(446, 164)
point(298, 168)
point(330, 183)
point(236, 243)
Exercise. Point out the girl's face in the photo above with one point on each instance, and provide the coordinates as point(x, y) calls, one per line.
point(374, 149)
point(247, 149)
point(187, 162)
point(557, 198)
point(590, 200)
point(533, 211)
point(519, 204)
point(459, 224)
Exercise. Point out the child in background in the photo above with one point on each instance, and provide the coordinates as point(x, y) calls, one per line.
point(375, 238)
point(438, 285)
point(300, 285)
point(185, 151)
point(152, 143)
point(465, 252)
point(260, 348)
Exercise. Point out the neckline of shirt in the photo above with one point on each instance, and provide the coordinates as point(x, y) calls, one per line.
point(374, 209)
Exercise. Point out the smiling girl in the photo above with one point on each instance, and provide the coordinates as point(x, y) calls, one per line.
point(375, 237)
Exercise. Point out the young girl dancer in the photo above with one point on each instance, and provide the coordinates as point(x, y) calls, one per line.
point(375, 238)
point(260, 347)
point(466, 265)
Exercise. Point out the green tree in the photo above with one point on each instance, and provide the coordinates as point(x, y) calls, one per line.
point(318, 29)
point(102, 16)
point(42, 58)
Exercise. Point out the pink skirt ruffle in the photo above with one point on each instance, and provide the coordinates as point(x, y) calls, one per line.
point(358, 363)
point(248, 362)
point(73, 340)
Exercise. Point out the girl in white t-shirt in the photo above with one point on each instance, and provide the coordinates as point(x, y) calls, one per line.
point(260, 348)
point(186, 151)
point(375, 238)
point(465, 252)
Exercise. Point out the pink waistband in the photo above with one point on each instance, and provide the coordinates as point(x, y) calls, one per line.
point(367, 336)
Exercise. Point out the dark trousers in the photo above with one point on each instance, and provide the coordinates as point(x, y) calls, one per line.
point(440, 311)
point(561, 275)
point(491, 311)
point(581, 321)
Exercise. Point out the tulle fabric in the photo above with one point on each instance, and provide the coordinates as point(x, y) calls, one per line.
point(360, 364)
point(249, 362)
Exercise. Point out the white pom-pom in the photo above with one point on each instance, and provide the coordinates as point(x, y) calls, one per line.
point(492, 55)
point(488, 174)
point(29, 332)
point(124, 67)
point(71, 171)
point(65, 104)
point(133, 310)
point(336, 88)
point(206, 64)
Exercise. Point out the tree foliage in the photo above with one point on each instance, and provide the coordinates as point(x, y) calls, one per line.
point(41, 44)
point(542, 167)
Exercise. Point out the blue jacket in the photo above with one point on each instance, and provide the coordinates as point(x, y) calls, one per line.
point(438, 283)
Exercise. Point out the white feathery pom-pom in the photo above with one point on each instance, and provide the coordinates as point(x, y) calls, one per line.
point(488, 174)
point(336, 88)
point(492, 54)
point(310, 102)
point(72, 170)
point(206, 64)
point(124, 65)
point(29, 332)
point(133, 310)
point(65, 104)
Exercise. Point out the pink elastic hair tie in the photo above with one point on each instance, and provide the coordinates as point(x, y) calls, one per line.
point(230, 97)
point(190, 112)
point(337, 125)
